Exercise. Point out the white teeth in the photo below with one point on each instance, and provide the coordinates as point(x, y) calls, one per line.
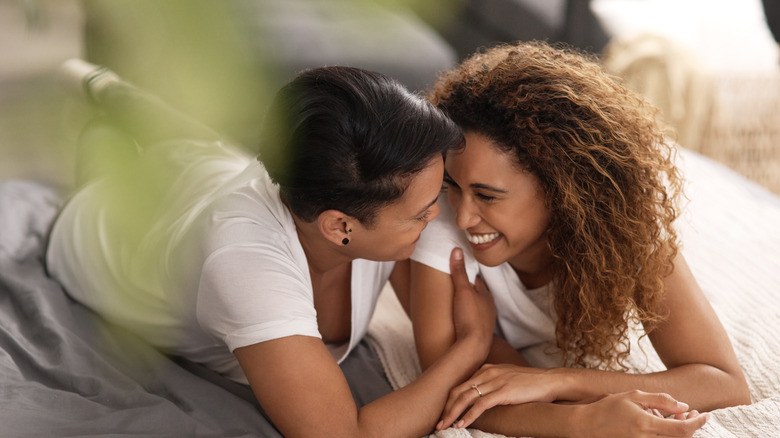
point(481, 238)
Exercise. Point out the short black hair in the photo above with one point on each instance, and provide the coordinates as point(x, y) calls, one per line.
point(349, 139)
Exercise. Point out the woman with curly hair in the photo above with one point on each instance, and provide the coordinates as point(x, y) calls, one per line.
point(566, 193)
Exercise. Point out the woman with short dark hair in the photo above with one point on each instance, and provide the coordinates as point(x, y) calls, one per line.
point(268, 271)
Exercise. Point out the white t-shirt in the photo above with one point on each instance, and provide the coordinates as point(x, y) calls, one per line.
point(220, 268)
point(525, 317)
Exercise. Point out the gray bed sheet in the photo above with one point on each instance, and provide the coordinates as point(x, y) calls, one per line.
point(66, 372)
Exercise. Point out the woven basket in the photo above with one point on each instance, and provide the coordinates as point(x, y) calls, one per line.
point(743, 130)
point(732, 117)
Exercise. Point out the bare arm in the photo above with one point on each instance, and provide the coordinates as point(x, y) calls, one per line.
point(400, 279)
point(430, 296)
point(702, 367)
point(304, 392)
point(618, 415)
point(430, 299)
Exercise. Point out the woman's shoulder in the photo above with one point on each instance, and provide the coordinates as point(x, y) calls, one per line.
point(251, 195)
point(247, 212)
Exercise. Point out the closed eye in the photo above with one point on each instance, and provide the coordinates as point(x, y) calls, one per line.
point(448, 182)
point(424, 217)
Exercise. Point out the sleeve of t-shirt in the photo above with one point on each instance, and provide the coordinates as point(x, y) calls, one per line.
point(438, 240)
point(255, 292)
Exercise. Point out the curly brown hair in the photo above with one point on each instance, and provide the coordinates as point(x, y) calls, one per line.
point(608, 176)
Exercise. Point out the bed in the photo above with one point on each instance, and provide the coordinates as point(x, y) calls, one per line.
point(66, 372)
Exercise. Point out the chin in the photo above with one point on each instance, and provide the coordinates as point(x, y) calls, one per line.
point(406, 252)
point(395, 256)
point(486, 260)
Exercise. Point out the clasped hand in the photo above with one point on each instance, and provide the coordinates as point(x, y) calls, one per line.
point(495, 385)
point(632, 413)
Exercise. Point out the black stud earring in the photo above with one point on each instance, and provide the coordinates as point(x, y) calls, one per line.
point(345, 240)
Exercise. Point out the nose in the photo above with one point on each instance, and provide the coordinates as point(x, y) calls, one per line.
point(466, 212)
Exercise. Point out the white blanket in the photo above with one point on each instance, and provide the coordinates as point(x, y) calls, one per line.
point(730, 231)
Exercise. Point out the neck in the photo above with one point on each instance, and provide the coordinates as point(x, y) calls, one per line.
point(533, 280)
point(322, 255)
point(534, 270)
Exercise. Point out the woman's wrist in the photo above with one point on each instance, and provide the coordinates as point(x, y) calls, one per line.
point(577, 422)
point(565, 383)
point(476, 347)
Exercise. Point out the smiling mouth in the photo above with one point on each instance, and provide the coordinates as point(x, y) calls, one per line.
point(479, 239)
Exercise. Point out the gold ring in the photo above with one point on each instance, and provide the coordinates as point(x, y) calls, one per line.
point(474, 387)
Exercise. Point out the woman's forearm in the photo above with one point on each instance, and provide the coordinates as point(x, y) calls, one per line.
point(622, 415)
point(529, 419)
point(699, 387)
point(703, 387)
point(420, 403)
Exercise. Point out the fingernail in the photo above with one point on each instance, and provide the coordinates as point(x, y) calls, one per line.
point(457, 253)
point(460, 424)
point(682, 406)
point(440, 425)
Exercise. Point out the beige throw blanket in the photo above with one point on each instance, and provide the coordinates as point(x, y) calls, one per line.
point(730, 231)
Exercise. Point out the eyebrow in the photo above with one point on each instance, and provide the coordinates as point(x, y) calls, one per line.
point(481, 186)
point(487, 187)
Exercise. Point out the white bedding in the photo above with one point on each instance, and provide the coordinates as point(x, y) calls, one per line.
point(730, 230)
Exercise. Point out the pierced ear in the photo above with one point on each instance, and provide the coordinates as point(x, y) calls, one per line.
point(335, 226)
